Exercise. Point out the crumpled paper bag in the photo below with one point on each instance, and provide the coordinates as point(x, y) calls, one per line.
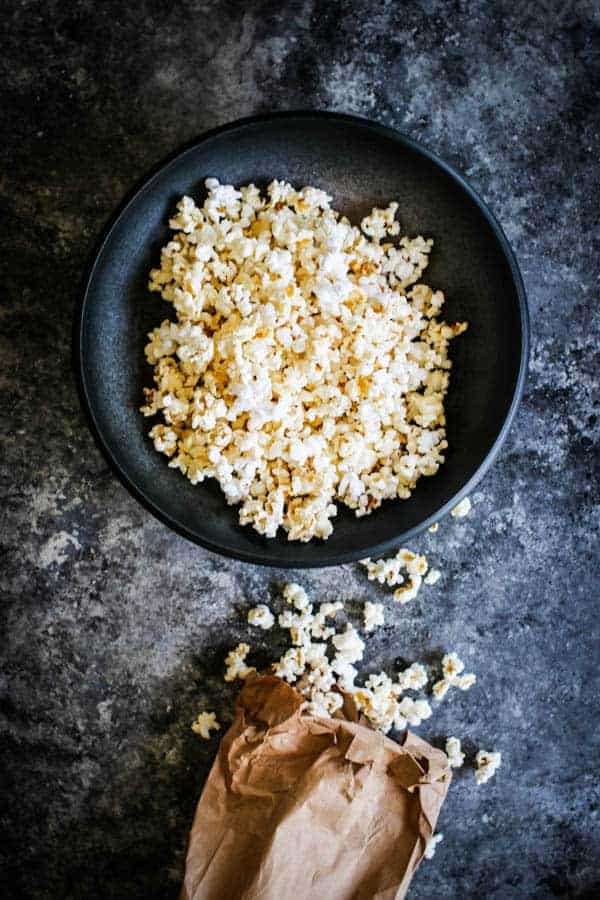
point(302, 807)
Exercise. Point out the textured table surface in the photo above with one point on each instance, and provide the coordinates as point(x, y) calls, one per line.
point(114, 629)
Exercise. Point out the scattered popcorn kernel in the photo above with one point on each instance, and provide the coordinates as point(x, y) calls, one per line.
point(261, 616)
point(432, 577)
point(204, 724)
point(462, 509)
point(432, 843)
point(454, 753)
point(349, 645)
point(414, 678)
point(296, 595)
point(441, 688)
point(433, 528)
point(452, 665)
point(373, 615)
point(486, 764)
point(236, 663)
point(465, 682)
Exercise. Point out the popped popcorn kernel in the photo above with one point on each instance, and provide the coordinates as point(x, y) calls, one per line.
point(261, 616)
point(236, 663)
point(432, 843)
point(373, 616)
point(487, 764)
point(454, 753)
point(462, 509)
point(204, 724)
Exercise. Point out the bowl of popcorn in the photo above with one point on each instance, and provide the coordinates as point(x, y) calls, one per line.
point(302, 340)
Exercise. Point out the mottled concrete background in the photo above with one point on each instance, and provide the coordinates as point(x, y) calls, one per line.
point(114, 629)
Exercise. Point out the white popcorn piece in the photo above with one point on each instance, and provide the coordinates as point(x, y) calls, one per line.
point(465, 682)
point(291, 665)
point(307, 364)
point(432, 577)
point(296, 595)
point(487, 764)
point(452, 665)
point(373, 616)
point(412, 712)
point(432, 843)
point(349, 645)
point(441, 688)
point(236, 663)
point(462, 509)
point(204, 724)
point(414, 678)
point(261, 617)
point(433, 528)
point(454, 753)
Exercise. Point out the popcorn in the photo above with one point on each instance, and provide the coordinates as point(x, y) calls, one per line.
point(307, 364)
point(462, 509)
point(296, 595)
point(454, 753)
point(390, 571)
point(204, 724)
point(291, 665)
point(465, 682)
point(487, 764)
point(452, 666)
point(432, 843)
point(412, 712)
point(441, 688)
point(236, 663)
point(433, 528)
point(261, 616)
point(348, 644)
point(414, 678)
point(432, 577)
point(373, 615)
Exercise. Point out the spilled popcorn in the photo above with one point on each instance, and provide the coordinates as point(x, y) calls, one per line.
point(306, 365)
point(462, 509)
point(454, 753)
point(432, 843)
point(204, 724)
point(392, 572)
point(236, 663)
point(452, 667)
point(373, 616)
point(321, 663)
point(261, 617)
point(486, 765)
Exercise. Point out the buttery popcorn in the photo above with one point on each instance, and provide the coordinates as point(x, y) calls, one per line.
point(462, 509)
point(391, 572)
point(487, 764)
point(306, 365)
point(204, 724)
point(236, 663)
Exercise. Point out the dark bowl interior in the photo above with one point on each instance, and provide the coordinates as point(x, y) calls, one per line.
point(361, 165)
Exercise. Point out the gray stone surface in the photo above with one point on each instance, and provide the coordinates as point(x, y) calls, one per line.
point(114, 629)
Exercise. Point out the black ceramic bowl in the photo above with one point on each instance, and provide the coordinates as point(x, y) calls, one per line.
point(361, 164)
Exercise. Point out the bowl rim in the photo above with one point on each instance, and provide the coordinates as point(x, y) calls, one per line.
point(263, 557)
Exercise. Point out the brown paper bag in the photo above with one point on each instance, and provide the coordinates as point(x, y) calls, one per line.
point(311, 808)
